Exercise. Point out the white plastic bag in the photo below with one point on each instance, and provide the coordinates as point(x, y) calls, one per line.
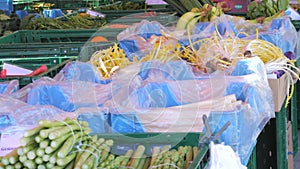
point(223, 157)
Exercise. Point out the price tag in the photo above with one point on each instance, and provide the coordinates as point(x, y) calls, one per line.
point(10, 138)
point(9, 141)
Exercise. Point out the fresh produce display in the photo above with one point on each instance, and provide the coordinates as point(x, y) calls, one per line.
point(204, 14)
point(122, 5)
point(8, 24)
point(67, 144)
point(109, 60)
point(266, 8)
point(73, 22)
point(183, 6)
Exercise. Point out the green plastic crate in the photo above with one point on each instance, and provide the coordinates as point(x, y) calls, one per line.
point(293, 117)
point(50, 43)
point(252, 160)
point(113, 14)
point(51, 50)
point(271, 152)
point(296, 23)
point(59, 36)
point(54, 64)
point(166, 19)
point(130, 141)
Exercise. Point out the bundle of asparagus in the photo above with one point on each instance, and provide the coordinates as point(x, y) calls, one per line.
point(67, 144)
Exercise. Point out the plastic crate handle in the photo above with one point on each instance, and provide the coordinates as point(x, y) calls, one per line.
point(36, 72)
point(209, 135)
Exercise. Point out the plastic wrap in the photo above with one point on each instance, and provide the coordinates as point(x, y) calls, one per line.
point(30, 115)
point(7, 106)
point(22, 93)
point(69, 95)
point(167, 105)
point(171, 119)
point(297, 49)
point(280, 31)
point(222, 156)
point(97, 117)
point(16, 112)
point(9, 87)
point(139, 38)
point(80, 71)
point(248, 66)
point(173, 70)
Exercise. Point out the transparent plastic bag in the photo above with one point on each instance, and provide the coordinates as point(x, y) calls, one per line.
point(223, 157)
point(139, 38)
point(16, 112)
point(30, 115)
point(69, 95)
point(297, 49)
point(163, 104)
point(9, 87)
point(80, 71)
point(22, 93)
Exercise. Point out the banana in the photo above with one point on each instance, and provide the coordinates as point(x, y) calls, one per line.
point(277, 15)
point(213, 10)
point(193, 22)
point(195, 10)
point(205, 6)
point(185, 19)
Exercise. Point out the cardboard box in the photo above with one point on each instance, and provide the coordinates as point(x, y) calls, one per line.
point(279, 89)
point(290, 146)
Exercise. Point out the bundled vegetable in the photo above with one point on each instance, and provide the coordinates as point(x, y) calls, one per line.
point(66, 144)
point(275, 60)
point(60, 144)
point(266, 10)
point(72, 22)
point(206, 13)
point(109, 60)
point(122, 5)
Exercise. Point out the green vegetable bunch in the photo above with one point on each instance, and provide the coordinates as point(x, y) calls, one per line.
point(57, 144)
point(68, 145)
point(266, 8)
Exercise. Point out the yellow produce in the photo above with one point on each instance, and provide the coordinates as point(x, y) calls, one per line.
point(109, 60)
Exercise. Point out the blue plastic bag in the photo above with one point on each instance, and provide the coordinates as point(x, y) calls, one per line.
point(134, 39)
point(156, 95)
point(52, 13)
point(9, 87)
point(126, 123)
point(80, 71)
point(98, 120)
point(173, 70)
point(50, 95)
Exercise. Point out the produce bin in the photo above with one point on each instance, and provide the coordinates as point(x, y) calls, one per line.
point(54, 64)
point(50, 43)
point(293, 117)
point(114, 14)
point(252, 161)
point(273, 152)
point(63, 36)
point(51, 50)
point(122, 143)
point(296, 23)
point(166, 19)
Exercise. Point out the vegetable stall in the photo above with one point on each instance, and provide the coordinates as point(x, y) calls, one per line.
point(151, 89)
